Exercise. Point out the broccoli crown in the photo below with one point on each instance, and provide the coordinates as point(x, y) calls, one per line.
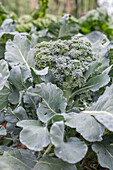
point(68, 60)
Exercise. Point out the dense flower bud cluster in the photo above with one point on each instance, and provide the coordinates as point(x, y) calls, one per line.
point(68, 60)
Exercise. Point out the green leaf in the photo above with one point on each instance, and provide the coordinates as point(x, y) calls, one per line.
point(40, 72)
point(37, 74)
point(49, 163)
point(86, 125)
point(106, 119)
point(93, 84)
point(4, 73)
point(101, 46)
point(102, 110)
point(14, 96)
point(20, 159)
point(97, 37)
point(31, 102)
point(71, 151)
point(2, 50)
point(8, 27)
point(20, 113)
point(4, 93)
point(104, 103)
point(108, 70)
point(52, 100)
point(19, 52)
point(92, 68)
point(68, 30)
point(33, 135)
point(4, 148)
point(18, 77)
point(104, 152)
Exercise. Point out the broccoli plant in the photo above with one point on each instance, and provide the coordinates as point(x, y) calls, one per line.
point(34, 114)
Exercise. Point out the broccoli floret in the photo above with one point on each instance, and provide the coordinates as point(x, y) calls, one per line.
point(68, 60)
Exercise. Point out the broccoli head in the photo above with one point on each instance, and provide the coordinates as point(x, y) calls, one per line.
point(67, 59)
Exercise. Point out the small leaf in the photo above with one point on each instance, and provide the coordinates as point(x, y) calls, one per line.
point(37, 74)
point(86, 125)
point(14, 96)
point(8, 27)
point(31, 102)
point(33, 135)
point(52, 100)
point(4, 73)
point(71, 151)
point(2, 50)
point(40, 72)
point(104, 152)
point(92, 68)
point(49, 163)
point(2, 117)
point(19, 52)
point(20, 113)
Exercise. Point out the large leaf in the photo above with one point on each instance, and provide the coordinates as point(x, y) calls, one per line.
point(4, 73)
point(33, 135)
point(4, 93)
point(71, 151)
point(86, 125)
point(93, 84)
point(17, 159)
point(64, 29)
point(104, 152)
point(105, 101)
point(52, 100)
point(49, 163)
point(102, 110)
point(19, 52)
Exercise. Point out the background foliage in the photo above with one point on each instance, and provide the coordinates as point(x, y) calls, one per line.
point(56, 7)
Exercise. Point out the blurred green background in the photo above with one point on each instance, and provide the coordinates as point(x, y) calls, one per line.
point(56, 7)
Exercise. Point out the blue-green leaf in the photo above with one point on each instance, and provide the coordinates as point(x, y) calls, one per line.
point(4, 73)
point(52, 103)
point(19, 52)
point(34, 135)
point(50, 163)
point(71, 151)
